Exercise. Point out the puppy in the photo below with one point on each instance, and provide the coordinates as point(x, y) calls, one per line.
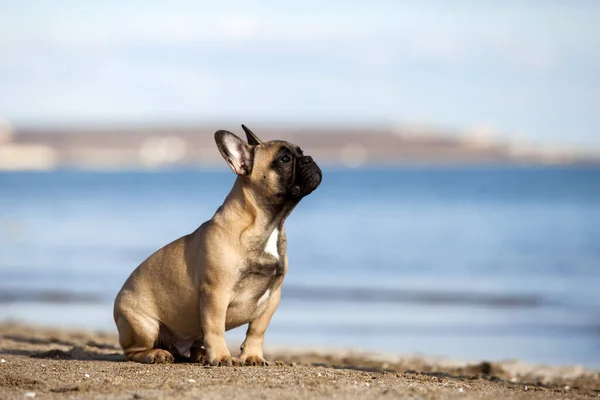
point(180, 301)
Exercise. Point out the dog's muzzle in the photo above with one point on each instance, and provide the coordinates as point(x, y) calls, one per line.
point(308, 177)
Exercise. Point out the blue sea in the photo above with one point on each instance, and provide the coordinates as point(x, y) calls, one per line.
point(487, 263)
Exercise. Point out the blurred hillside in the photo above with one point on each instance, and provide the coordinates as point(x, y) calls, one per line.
point(171, 146)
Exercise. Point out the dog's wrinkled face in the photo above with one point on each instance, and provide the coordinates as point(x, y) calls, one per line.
point(277, 170)
point(283, 169)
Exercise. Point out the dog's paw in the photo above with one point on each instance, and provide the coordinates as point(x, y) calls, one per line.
point(255, 361)
point(225, 361)
point(198, 355)
point(156, 356)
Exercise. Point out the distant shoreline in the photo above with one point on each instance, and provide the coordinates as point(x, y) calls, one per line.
point(160, 147)
point(329, 167)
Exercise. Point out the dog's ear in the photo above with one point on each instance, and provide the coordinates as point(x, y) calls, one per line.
point(252, 139)
point(235, 151)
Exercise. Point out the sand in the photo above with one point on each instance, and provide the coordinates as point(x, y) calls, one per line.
point(69, 364)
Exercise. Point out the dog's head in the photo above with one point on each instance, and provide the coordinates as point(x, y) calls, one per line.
point(277, 171)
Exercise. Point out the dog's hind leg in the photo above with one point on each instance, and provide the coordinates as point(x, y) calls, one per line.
point(139, 336)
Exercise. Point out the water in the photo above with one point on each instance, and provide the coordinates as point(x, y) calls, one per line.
point(465, 263)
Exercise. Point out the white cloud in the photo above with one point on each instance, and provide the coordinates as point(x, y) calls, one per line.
point(237, 26)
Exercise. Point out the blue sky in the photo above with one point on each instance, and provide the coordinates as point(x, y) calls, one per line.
point(519, 70)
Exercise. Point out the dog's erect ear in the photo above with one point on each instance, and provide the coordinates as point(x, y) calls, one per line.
point(235, 151)
point(252, 139)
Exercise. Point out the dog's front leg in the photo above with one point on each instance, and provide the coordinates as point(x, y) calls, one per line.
point(252, 348)
point(213, 310)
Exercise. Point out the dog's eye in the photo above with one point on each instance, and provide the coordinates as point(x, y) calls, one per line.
point(285, 159)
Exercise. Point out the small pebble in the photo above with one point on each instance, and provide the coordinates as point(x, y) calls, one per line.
point(86, 375)
point(319, 374)
point(30, 395)
point(567, 387)
point(2, 360)
point(461, 390)
point(191, 381)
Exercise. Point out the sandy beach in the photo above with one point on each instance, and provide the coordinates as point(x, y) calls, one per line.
point(59, 364)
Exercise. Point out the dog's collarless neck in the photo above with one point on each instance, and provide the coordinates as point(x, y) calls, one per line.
point(257, 225)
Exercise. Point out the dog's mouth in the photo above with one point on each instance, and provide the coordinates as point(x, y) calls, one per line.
point(308, 177)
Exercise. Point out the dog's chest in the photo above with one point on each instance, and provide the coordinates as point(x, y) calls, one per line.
point(267, 260)
point(252, 295)
point(272, 246)
point(255, 286)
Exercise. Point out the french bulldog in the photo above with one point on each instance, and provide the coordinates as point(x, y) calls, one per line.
point(179, 302)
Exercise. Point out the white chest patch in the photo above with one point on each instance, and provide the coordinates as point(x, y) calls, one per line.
point(263, 299)
point(271, 247)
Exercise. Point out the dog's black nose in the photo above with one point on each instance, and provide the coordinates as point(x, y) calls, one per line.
point(306, 160)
